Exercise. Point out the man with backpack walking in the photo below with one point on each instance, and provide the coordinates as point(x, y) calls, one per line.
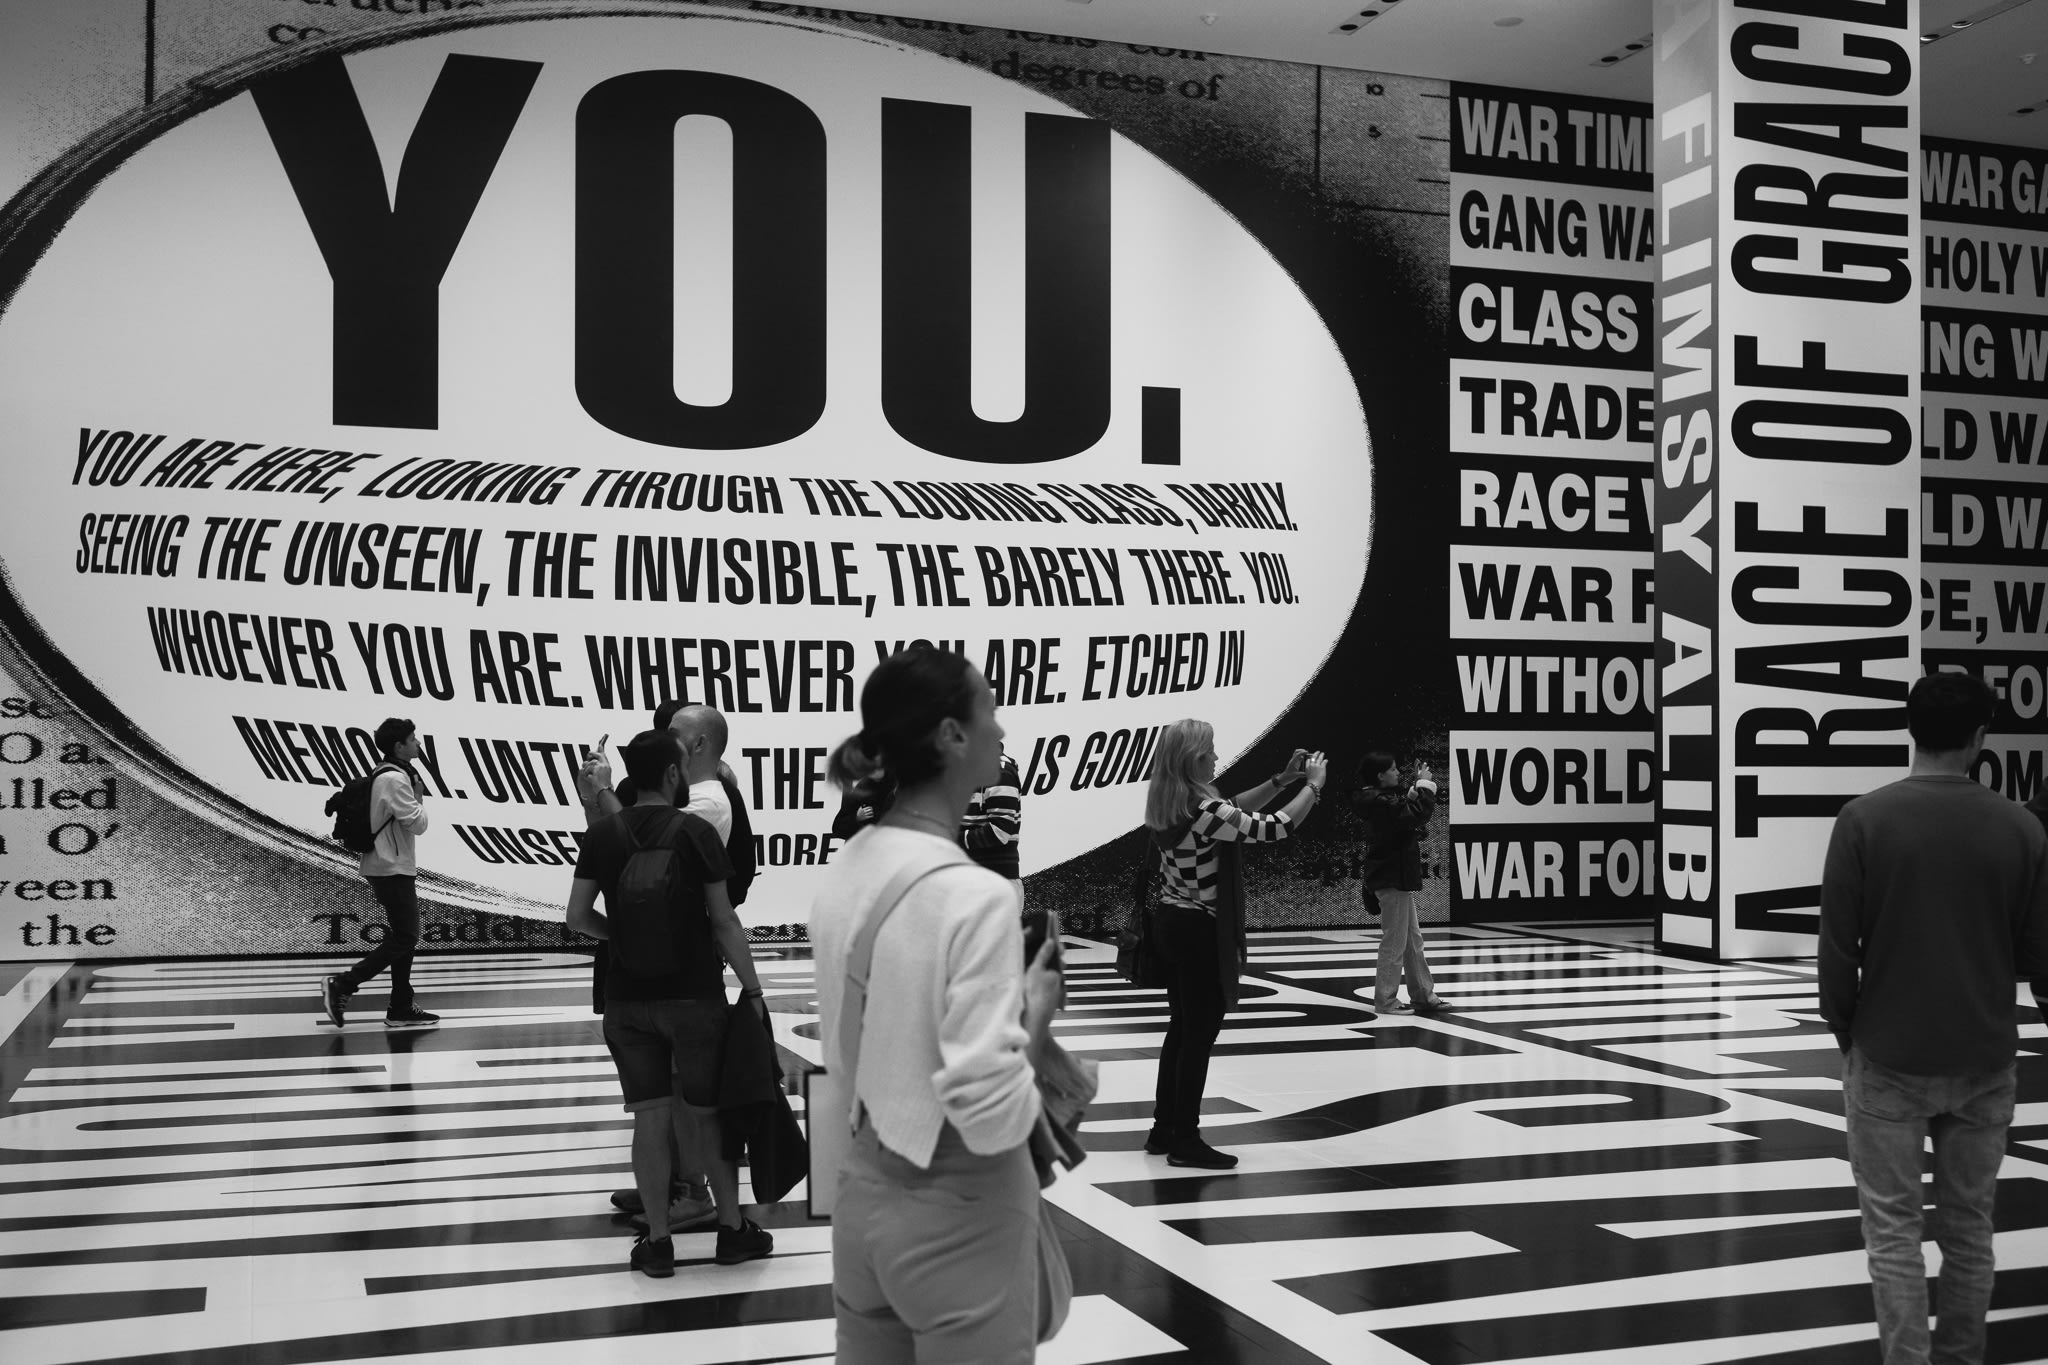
point(667, 923)
point(380, 824)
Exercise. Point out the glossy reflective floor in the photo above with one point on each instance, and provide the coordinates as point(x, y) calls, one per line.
point(1600, 1154)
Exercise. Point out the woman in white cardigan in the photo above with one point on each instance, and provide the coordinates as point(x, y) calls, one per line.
point(935, 1235)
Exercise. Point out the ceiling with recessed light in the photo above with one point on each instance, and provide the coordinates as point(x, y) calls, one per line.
point(1981, 79)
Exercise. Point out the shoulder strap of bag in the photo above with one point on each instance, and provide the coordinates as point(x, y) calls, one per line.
point(667, 828)
point(853, 1004)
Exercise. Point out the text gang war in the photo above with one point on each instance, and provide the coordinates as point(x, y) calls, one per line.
point(387, 258)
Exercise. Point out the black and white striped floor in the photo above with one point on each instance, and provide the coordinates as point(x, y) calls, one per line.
point(1600, 1154)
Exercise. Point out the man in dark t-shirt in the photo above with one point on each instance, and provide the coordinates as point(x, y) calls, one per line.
point(1933, 901)
point(666, 1027)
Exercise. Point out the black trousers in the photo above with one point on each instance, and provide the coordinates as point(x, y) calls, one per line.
point(1186, 941)
point(401, 904)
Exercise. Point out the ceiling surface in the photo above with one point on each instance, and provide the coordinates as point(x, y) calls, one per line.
point(1974, 78)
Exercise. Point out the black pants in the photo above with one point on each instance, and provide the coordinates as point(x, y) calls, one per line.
point(1194, 995)
point(402, 909)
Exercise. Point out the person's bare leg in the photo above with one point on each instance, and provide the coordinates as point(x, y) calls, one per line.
point(652, 1131)
point(697, 1135)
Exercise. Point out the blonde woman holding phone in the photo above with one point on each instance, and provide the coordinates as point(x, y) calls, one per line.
point(1197, 917)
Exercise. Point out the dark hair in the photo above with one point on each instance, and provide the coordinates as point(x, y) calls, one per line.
point(901, 704)
point(666, 712)
point(1375, 762)
point(649, 755)
point(392, 733)
point(1945, 709)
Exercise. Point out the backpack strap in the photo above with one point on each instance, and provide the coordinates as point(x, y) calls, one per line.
point(667, 835)
point(853, 1004)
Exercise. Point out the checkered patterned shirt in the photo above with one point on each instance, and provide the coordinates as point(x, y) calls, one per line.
point(1189, 870)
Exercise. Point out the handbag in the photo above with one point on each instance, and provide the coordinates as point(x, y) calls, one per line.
point(1369, 898)
point(1137, 956)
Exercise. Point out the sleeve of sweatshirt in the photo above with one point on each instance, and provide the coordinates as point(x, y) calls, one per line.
point(1841, 927)
point(985, 1083)
point(402, 804)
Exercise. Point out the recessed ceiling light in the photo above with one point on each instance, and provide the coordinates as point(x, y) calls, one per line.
point(1960, 23)
point(1509, 22)
point(1624, 52)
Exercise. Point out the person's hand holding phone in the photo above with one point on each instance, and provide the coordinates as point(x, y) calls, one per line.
point(1045, 989)
point(595, 774)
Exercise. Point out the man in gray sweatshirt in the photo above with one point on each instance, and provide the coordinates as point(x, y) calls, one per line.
point(1933, 903)
point(398, 814)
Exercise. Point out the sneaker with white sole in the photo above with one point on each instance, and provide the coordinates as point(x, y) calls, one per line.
point(412, 1018)
point(688, 1213)
point(332, 999)
point(1395, 1007)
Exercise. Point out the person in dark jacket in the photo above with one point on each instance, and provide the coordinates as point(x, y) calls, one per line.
point(1395, 816)
point(1933, 904)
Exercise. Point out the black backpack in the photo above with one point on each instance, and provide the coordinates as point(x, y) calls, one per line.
point(645, 916)
point(350, 808)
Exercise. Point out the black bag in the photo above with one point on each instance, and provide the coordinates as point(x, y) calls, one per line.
point(350, 808)
point(1369, 898)
point(1137, 961)
point(645, 922)
point(1137, 957)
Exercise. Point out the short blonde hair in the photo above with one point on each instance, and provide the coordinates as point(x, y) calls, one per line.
point(1175, 789)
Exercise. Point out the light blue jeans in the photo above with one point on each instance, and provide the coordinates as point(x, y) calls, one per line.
point(1401, 952)
point(1891, 1116)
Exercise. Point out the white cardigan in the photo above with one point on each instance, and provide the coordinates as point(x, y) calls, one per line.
point(943, 1038)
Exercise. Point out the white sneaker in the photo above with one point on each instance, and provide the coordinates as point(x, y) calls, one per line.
point(691, 1214)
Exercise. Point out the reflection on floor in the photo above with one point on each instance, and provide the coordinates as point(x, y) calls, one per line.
point(1600, 1154)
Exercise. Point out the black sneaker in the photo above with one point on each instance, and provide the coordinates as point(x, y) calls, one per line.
point(747, 1242)
point(331, 999)
point(412, 1018)
point(655, 1259)
point(1197, 1153)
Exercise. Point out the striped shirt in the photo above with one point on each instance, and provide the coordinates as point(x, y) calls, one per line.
point(1189, 869)
point(988, 831)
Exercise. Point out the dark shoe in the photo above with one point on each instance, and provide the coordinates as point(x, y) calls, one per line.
point(1201, 1155)
point(656, 1260)
point(331, 999)
point(747, 1242)
point(1159, 1141)
point(412, 1018)
point(1431, 1006)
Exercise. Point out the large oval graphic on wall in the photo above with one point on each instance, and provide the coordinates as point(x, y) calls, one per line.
point(515, 378)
